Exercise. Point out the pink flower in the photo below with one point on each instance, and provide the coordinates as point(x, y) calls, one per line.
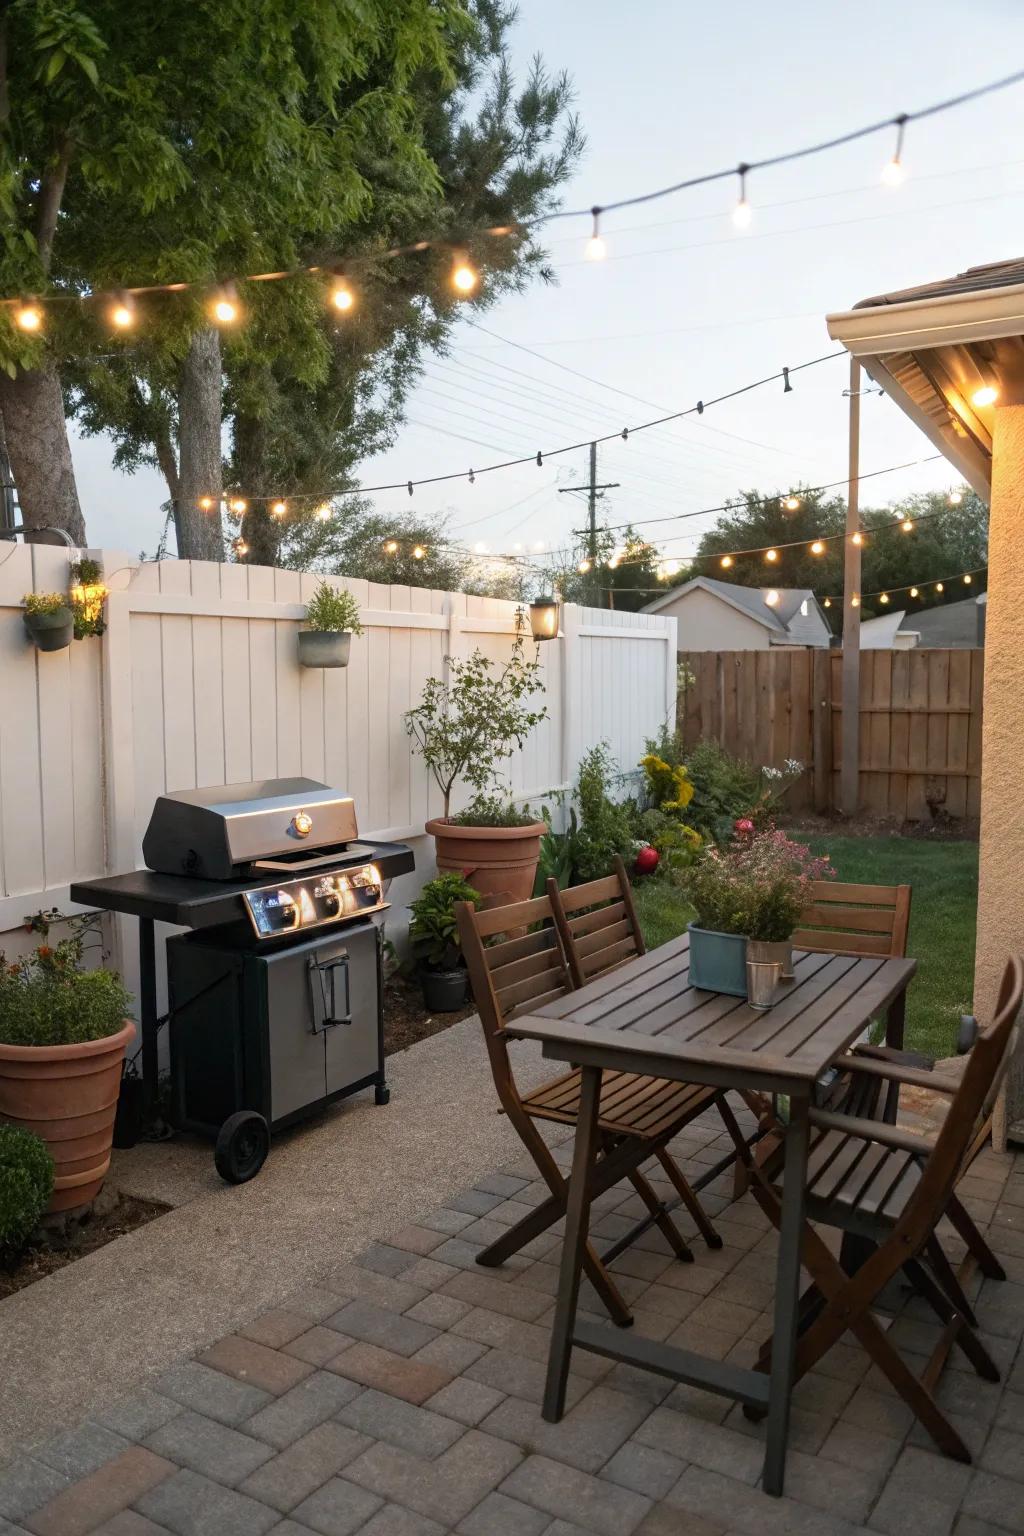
point(745, 827)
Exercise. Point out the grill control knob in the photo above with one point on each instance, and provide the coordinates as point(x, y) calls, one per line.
point(302, 823)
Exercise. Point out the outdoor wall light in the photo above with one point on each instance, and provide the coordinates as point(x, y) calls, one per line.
point(544, 618)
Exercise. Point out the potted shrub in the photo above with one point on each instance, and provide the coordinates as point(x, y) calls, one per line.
point(463, 728)
point(435, 942)
point(748, 898)
point(63, 1035)
point(332, 618)
point(26, 1183)
point(49, 620)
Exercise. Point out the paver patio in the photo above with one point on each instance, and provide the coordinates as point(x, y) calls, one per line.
point(399, 1396)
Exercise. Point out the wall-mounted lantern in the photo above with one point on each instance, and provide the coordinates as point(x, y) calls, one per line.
point(544, 618)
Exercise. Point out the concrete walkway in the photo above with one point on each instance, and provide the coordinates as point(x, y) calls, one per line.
point(399, 1397)
point(100, 1326)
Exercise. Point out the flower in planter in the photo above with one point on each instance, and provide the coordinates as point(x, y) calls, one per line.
point(757, 887)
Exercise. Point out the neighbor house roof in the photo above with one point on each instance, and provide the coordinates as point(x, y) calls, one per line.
point(933, 346)
point(951, 624)
point(784, 618)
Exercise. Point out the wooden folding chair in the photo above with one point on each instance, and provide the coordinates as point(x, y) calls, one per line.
point(892, 1188)
point(639, 1115)
point(845, 919)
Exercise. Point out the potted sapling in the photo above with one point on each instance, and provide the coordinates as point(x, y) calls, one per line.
point(49, 620)
point(332, 618)
point(463, 728)
point(435, 942)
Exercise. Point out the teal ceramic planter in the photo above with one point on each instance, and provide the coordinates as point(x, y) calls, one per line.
point(718, 961)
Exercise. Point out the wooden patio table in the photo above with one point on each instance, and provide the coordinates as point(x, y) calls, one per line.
point(647, 1018)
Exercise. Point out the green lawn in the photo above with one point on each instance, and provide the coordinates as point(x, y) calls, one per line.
point(944, 876)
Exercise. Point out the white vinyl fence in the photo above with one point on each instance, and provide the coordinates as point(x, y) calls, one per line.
point(196, 682)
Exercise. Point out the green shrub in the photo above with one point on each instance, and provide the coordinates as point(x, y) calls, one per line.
point(26, 1183)
point(46, 1000)
point(724, 789)
point(333, 610)
point(493, 811)
point(433, 929)
point(605, 825)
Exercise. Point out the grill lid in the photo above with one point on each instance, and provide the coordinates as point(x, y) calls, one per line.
point(219, 831)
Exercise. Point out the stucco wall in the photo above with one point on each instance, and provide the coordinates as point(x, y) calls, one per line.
point(708, 624)
point(1001, 887)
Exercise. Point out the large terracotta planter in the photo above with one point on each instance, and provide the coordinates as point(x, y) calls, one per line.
point(499, 861)
point(67, 1094)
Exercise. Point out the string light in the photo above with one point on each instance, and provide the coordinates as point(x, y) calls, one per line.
point(342, 297)
point(279, 508)
point(28, 317)
point(955, 498)
point(584, 567)
point(419, 553)
point(122, 312)
point(771, 598)
point(239, 504)
point(914, 592)
point(741, 214)
point(224, 309)
point(771, 555)
point(206, 503)
point(892, 171)
point(464, 278)
point(391, 547)
point(858, 539)
point(907, 525)
point(967, 579)
point(480, 548)
point(988, 394)
point(323, 512)
point(726, 561)
point(939, 587)
point(791, 503)
point(884, 597)
point(827, 603)
point(855, 601)
point(817, 548)
point(241, 547)
point(595, 250)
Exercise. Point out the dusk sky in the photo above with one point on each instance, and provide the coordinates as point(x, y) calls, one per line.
point(684, 306)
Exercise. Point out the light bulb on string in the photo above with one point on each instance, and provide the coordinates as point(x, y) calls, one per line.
point(595, 250)
point(323, 511)
point(583, 567)
point(241, 547)
point(391, 547)
point(464, 278)
point(817, 548)
point(669, 569)
point(914, 592)
point(884, 598)
point(858, 539)
point(239, 504)
point(540, 546)
point(342, 297)
point(939, 587)
point(419, 553)
point(122, 312)
point(955, 498)
point(907, 525)
point(855, 601)
point(480, 548)
point(742, 213)
point(279, 508)
point(224, 307)
point(893, 172)
point(28, 317)
point(827, 603)
point(967, 579)
point(725, 562)
point(771, 598)
point(206, 503)
point(791, 503)
point(771, 555)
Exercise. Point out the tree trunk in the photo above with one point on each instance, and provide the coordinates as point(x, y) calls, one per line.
point(260, 529)
point(200, 533)
point(40, 453)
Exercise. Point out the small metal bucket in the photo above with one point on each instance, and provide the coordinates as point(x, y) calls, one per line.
point(762, 979)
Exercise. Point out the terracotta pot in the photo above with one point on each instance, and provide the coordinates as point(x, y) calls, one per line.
point(498, 861)
point(67, 1094)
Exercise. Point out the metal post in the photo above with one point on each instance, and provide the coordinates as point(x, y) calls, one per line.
point(148, 1012)
point(849, 779)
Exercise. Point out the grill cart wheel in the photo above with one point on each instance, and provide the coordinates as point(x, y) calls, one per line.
point(243, 1142)
point(382, 1094)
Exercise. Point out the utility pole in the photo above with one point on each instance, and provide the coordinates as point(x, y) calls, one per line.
point(592, 489)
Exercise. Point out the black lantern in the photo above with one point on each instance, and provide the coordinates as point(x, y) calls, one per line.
point(544, 618)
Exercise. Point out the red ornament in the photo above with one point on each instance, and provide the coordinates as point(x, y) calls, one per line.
point(647, 860)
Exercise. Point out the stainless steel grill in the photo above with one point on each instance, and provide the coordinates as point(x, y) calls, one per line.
point(275, 992)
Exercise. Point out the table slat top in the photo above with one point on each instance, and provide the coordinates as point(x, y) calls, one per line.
point(648, 1008)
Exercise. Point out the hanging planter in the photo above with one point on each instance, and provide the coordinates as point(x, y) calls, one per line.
point(333, 618)
point(49, 621)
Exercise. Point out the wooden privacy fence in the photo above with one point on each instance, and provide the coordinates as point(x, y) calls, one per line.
point(920, 723)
